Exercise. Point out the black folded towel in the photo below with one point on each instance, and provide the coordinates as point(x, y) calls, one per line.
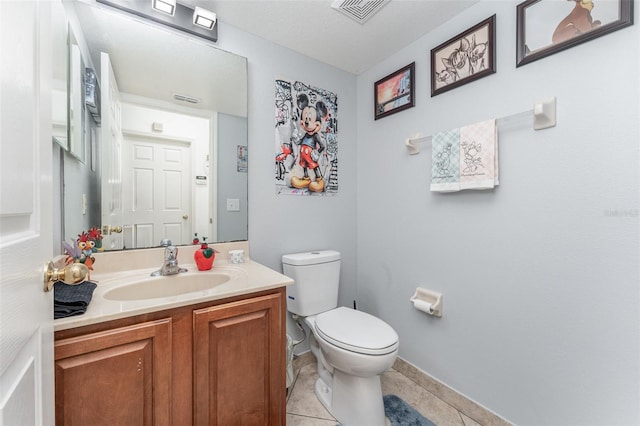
point(70, 300)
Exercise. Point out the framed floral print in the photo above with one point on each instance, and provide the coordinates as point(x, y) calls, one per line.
point(464, 58)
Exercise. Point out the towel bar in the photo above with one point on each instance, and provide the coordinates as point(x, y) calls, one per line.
point(543, 113)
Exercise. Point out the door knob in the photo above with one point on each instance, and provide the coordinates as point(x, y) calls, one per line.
point(108, 230)
point(72, 274)
point(185, 216)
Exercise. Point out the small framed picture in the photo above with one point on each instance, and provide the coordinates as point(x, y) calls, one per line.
point(242, 159)
point(395, 92)
point(464, 58)
point(545, 27)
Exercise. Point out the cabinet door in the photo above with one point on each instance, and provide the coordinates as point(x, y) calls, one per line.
point(115, 377)
point(239, 371)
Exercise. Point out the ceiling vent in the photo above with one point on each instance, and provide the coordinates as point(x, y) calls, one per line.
point(359, 10)
point(186, 98)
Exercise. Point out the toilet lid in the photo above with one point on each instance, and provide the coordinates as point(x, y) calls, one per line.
point(356, 331)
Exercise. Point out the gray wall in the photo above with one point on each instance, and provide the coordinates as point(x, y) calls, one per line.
point(288, 224)
point(232, 131)
point(540, 276)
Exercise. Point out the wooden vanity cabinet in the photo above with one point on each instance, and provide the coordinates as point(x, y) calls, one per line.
point(233, 356)
point(115, 377)
point(217, 363)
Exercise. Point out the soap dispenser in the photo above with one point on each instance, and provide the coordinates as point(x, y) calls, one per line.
point(204, 256)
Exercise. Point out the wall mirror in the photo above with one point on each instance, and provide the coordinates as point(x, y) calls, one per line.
point(164, 125)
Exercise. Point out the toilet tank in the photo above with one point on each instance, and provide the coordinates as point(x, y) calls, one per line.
point(317, 277)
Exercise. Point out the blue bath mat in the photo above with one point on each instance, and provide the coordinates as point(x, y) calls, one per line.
point(402, 414)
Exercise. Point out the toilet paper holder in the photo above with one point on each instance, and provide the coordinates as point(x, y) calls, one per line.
point(427, 301)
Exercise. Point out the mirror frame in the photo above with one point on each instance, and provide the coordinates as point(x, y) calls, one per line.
point(76, 106)
point(60, 82)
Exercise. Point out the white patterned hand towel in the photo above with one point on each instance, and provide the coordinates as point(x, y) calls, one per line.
point(479, 155)
point(445, 161)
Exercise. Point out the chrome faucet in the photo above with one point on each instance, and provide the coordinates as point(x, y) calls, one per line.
point(170, 264)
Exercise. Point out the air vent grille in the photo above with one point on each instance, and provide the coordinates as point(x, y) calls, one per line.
point(359, 10)
point(185, 98)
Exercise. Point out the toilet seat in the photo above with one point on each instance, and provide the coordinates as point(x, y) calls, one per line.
point(356, 331)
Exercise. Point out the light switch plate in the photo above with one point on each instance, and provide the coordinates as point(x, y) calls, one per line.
point(233, 205)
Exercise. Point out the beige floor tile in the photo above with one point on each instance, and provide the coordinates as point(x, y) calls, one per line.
point(303, 401)
point(423, 401)
point(304, 408)
point(294, 420)
point(469, 421)
point(473, 412)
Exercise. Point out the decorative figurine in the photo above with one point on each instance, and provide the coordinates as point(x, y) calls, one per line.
point(204, 256)
point(81, 250)
point(95, 235)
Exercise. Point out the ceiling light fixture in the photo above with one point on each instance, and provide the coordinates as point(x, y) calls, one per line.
point(164, 6)
point(204, 18)
point(184, 17)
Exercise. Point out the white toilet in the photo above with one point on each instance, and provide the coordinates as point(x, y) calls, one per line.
point(353, 348)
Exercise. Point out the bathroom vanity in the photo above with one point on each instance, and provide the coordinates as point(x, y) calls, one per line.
point(212, 356)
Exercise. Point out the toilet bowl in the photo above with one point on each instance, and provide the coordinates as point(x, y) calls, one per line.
point(352, 348)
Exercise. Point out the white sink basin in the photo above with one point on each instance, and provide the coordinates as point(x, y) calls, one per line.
point(168, 286)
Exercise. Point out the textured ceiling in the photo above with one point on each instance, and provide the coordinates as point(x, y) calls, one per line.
point(313, 28)
point(154, 62)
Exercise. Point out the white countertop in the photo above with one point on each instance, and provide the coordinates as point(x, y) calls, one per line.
point(248, 277)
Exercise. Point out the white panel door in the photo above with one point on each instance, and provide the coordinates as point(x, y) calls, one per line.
point(26, 311)
point(157, 191)
point(111, 139)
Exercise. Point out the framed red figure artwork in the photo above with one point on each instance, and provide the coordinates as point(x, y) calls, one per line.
point(545, 27)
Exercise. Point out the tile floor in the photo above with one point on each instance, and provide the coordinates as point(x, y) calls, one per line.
point(304, 409)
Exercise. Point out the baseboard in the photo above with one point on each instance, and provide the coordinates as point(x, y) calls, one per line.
point(470, 408)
